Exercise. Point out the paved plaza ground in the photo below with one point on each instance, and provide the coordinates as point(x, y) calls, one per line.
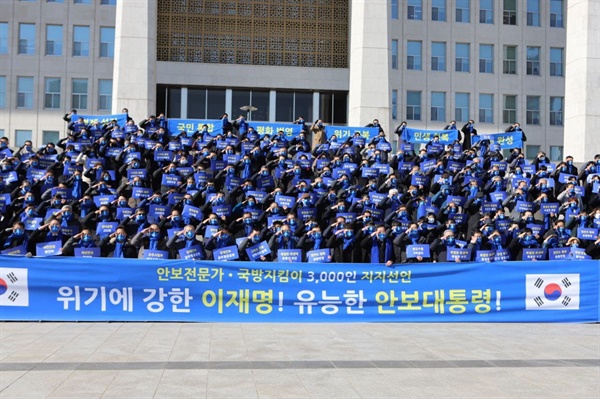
point(178, 360)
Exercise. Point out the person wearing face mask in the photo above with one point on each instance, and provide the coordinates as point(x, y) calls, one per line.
point(15, 237)
point(254, 238)
point(149, 238)
point(116, 245)
point(524, 240)
point(313, 240)
point(218, 199)
point(242, 226)
point(137, 222)
point(440, 247)
point(331, 211)
point(48, 232)
point(222, 238)
point(283, 239)
point(185, 238)
point(100, 215)
point(412, 236)
point(342, 243)
point(377, 247)
point(85, 239)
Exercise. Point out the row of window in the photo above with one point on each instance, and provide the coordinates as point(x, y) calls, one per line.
point(462, 107)
point(102, 2)
point(54, 44)
point(53, 96)
point(462, 11)
point(462, 58)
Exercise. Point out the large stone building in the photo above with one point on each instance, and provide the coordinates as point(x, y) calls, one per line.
point(345, 61)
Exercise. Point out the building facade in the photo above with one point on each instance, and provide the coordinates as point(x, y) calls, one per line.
point(497, 62)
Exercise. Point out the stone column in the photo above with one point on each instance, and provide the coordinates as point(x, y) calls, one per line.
point(134, 74)
point(582, 80)
point(369, 93)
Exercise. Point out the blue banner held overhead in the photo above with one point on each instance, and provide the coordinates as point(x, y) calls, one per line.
point(67, 289)
point(343, 133)
point(423, 136)
point(92, 119)
point(190, 126)
point(290, 130)
point(505, 140)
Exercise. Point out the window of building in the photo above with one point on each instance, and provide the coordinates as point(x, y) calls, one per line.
point(27, 39)
point(107, 42)
point(2, 92)
point(509, 112)
point(209, 104)
point(81, 41)
point(509, 13)
point(108, 2)
point(486, 108)
point(533, 12)
point(438, 56)
point(394, 54)
point(486, 11)
point(21, 136)
point(556, 61)
point(79, 96)
point(24, 92)
point(509, 66)
point(413, 55)
point(50, 136)
point(290, 105)
point(82, 1)
point(532, 150)
point(54, 39)
point(438, 10)
point(533, 61)
point(55, 1)
point(394, 104)
point(463, 11)
point(486, 58)
point(394, 9)
point(415, 10)
point(413, 105)
point(333, 107)
point(105, 87)
point(462, 60)
point(3, 38)
point(556, 111)
point(52, 93)
point(556, 153)
point(533, 110)
point(461, 106)
point(556, 13)
point(438, 106)
point(255, 98)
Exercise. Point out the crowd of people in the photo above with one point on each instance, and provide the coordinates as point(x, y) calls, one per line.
point(139, 188)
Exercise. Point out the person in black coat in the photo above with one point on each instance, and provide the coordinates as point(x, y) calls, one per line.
point(468, 131)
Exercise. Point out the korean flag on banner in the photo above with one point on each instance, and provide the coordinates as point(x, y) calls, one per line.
point(13, 287)
point(552, 291)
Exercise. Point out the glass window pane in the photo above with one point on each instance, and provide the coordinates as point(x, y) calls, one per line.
point(415, 10)
point(261, 100)
point(303, 105)
point(394, 9)
point(107, 42)
point(50, 136)
point(438, 10)
point(21, 136)
point(556, 152)
point(463, 11)
point(394, 54)
point(174, 103)
point(54, 39)
point(215, 103)
point(81, 41)
point(531, 151)
point(26, 39)
point(284, 110)
point(3, 38)
point(196, 105)
point(105, 94)
point(486, 11)
point(414, 55)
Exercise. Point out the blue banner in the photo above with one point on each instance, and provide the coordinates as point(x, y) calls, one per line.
point(504, 140)
point(59, 288)
point(423, 136)
point(343, 133)
point(190, 126)
point(92, 119)
point(290, 130)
